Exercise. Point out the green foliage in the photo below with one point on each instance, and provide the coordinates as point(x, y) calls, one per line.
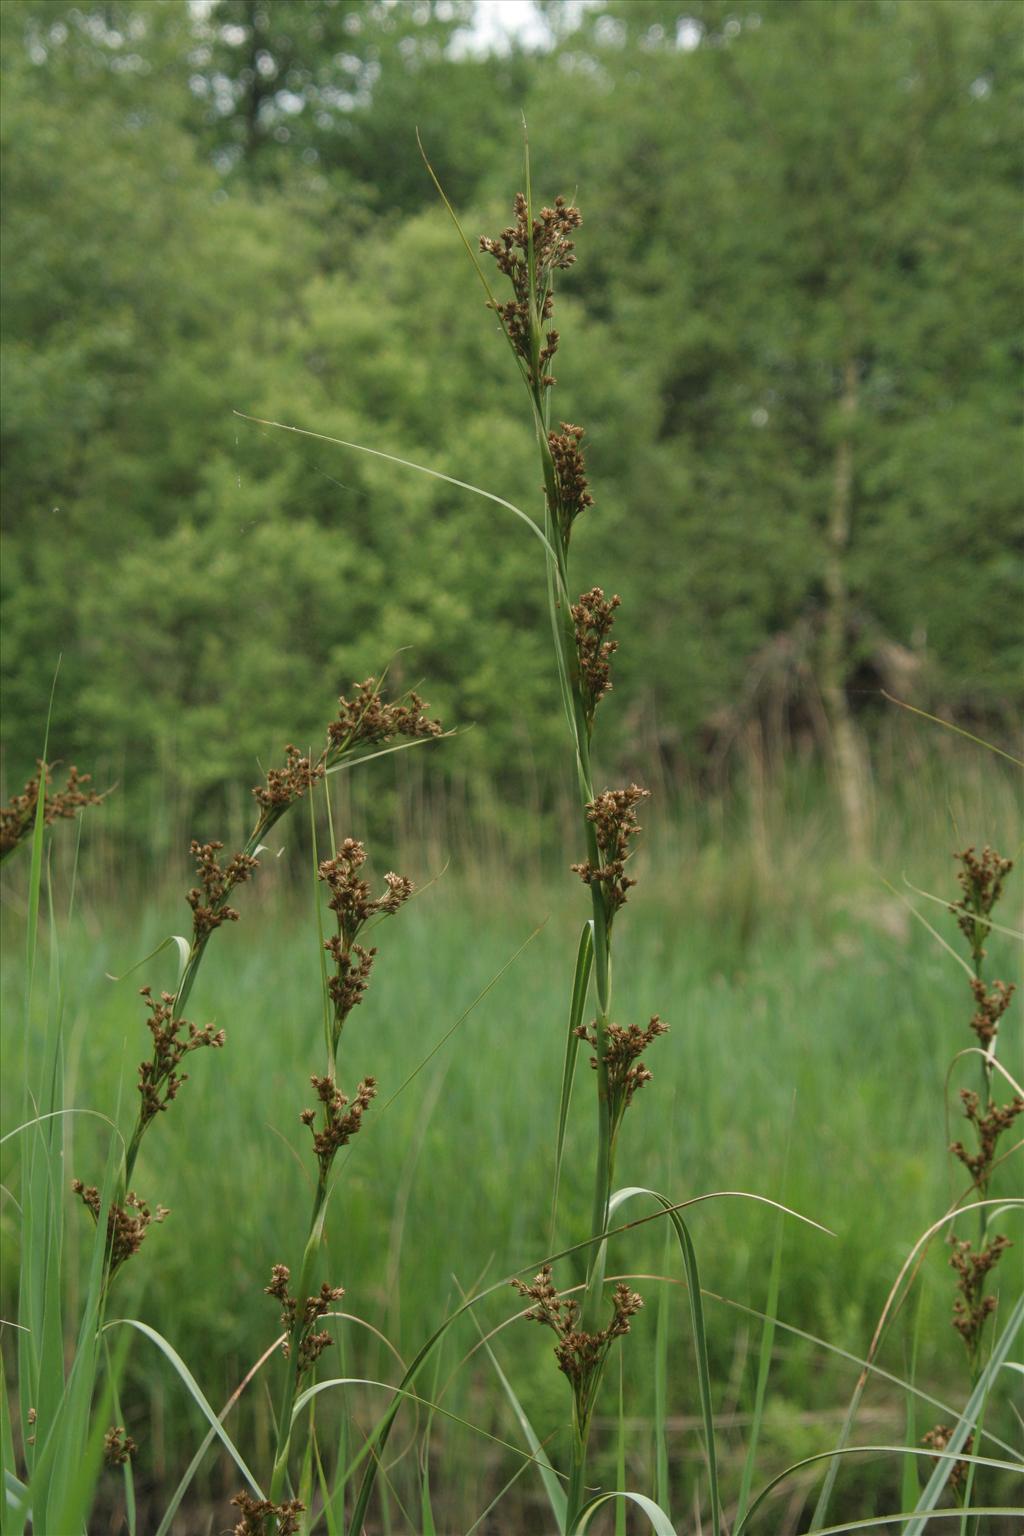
point(224, 209)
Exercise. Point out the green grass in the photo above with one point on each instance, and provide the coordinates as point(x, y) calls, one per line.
point(827, 1015)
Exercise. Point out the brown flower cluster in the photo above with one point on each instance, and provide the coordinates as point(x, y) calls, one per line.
point(981, 881)
point(126, 1224)
point(351, 974)
point(17, 817)
point(159, 1078)
point(117, 1446)
point(288, 784)
point(614, 817)
point(972, 1307)
point(257, 1512)
point(623, 1049)
point(207, 899)
point(570, 477)
point(580, 1355)
point(988, 1127)
point(339, 1127)
point(353, 905)
point(350, 900)
point(593, 616)
point(937, 1439)
point(553, 250)
point(367, 719)
point(991, 1005)
point(300, 1330)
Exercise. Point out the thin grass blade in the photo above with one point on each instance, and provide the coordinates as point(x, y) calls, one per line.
point(580, 987)
point(552, 1486)
point(661, 1461)
point(657, 1518)
point(970, 1416)
point(946, 1458)
point(423, 469)
point(689, 1254)
point(194, 1390)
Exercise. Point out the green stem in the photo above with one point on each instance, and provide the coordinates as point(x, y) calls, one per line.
point(188, 976)
point(289, 1390)
point(576, 1492)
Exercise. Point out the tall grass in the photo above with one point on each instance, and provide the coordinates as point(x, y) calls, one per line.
point(801, 1074)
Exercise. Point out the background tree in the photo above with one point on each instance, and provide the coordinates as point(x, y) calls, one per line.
point(795, 342)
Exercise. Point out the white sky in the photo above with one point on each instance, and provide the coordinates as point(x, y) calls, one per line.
point(498, 21)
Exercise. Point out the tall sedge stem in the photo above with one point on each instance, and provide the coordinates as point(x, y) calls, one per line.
point(528, 254)
point(290, 1385)
point(332, 1127)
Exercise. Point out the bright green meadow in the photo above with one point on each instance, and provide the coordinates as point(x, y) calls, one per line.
point(813, 1020)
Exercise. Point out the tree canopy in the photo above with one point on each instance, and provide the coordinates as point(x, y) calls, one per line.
point(798, 224)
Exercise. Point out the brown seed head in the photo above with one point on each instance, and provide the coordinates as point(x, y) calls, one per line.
point(17, 817)
point(614, 817)
point(257, 1512)
point(553, 251)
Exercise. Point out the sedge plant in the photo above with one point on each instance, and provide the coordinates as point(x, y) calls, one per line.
point(981, 878)
point(529, 253)
point(63, 1435)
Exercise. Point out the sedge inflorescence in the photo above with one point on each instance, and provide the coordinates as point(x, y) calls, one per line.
point(257, 1513)
point(623, 1047)
point(971, 1306)
point(937, 1439)
point(118, 1448)
point(159, 1078)
point(981, 878)
point(341, 1119)
point(17, 817)
point(365, 719)
point(353, 905)
point(547, 239)
point(208, 899)
point(593, 615)
point(613, 815)
point(301, 1330)
point(580, 1354)
point(127, 1223)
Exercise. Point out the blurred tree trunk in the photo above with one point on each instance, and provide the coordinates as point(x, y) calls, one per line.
point(849, 759)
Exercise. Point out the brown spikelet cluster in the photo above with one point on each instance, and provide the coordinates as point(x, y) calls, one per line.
point(991, 1005)
point(593, 616)
point(580, 1355)
point(117, 1446)
point(353, 905)
point(623, 1049)
point(301, 1327)
point(553, 250)
point(614, 817)
point(971, 1306)
point(288, 784)
point(367, 719)
point(350, 894)
point(570, 476)
point(257, 1513)
point(988, 1129)
point(17, 817)
point(937, 1439)
point(981, 881)
point(207, 899)
point(351, 974)
point(159, 1078)
point(341, 1120)
point(126, 1224)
